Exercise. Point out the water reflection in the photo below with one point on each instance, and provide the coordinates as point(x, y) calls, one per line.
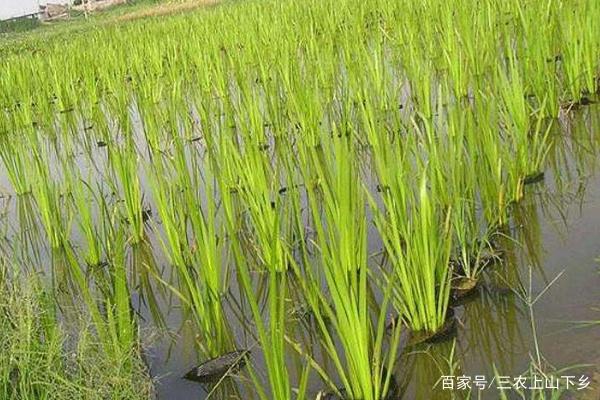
point(493, 325)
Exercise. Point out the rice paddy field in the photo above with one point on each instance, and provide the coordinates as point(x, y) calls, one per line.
point(325, 199)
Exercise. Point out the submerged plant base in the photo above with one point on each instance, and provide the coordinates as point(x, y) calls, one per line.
point(394, 392)
point(212, 371)
point(574, 105)
point(445, 333)
point(464, 286)
point(98, 265)
point(343, 395)
point(533, 178)
point(464, 290)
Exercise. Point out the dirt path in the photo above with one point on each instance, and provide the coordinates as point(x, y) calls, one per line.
point(166, 9)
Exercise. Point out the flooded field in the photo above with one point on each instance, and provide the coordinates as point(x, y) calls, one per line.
point(554, 235)
point(319, 200)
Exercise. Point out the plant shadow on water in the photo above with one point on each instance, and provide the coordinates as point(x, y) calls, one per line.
point(492, 322)
point(493, 328)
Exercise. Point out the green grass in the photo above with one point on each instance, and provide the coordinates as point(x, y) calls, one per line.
point(19, 25)
point(43, 358)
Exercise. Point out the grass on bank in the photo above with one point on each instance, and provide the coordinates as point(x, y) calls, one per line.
point(44, 357)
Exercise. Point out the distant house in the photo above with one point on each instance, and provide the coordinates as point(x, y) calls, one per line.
point(10, 9)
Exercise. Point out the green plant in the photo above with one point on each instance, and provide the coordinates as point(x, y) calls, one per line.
point(44, 358)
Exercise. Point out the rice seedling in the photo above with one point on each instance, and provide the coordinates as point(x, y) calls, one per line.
point(199, 259)
point(338, 207)
point(262, 147)
point(542, 64)
point(423, 264)
point(456, 59)
point(192, 290)
point(81, 195)
point(493, 186)
point(172, 218)
point(246, 188)
point(120, 324)
point(580, 66)
point(15, 158)
point(48, 197)
point(124, 164)
point(210, 252)
point(110, 313)
point(526, 141)
point(456, 187)
point(270, 334)
point(417, 237)
point(29, 233)
point(143, 267)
